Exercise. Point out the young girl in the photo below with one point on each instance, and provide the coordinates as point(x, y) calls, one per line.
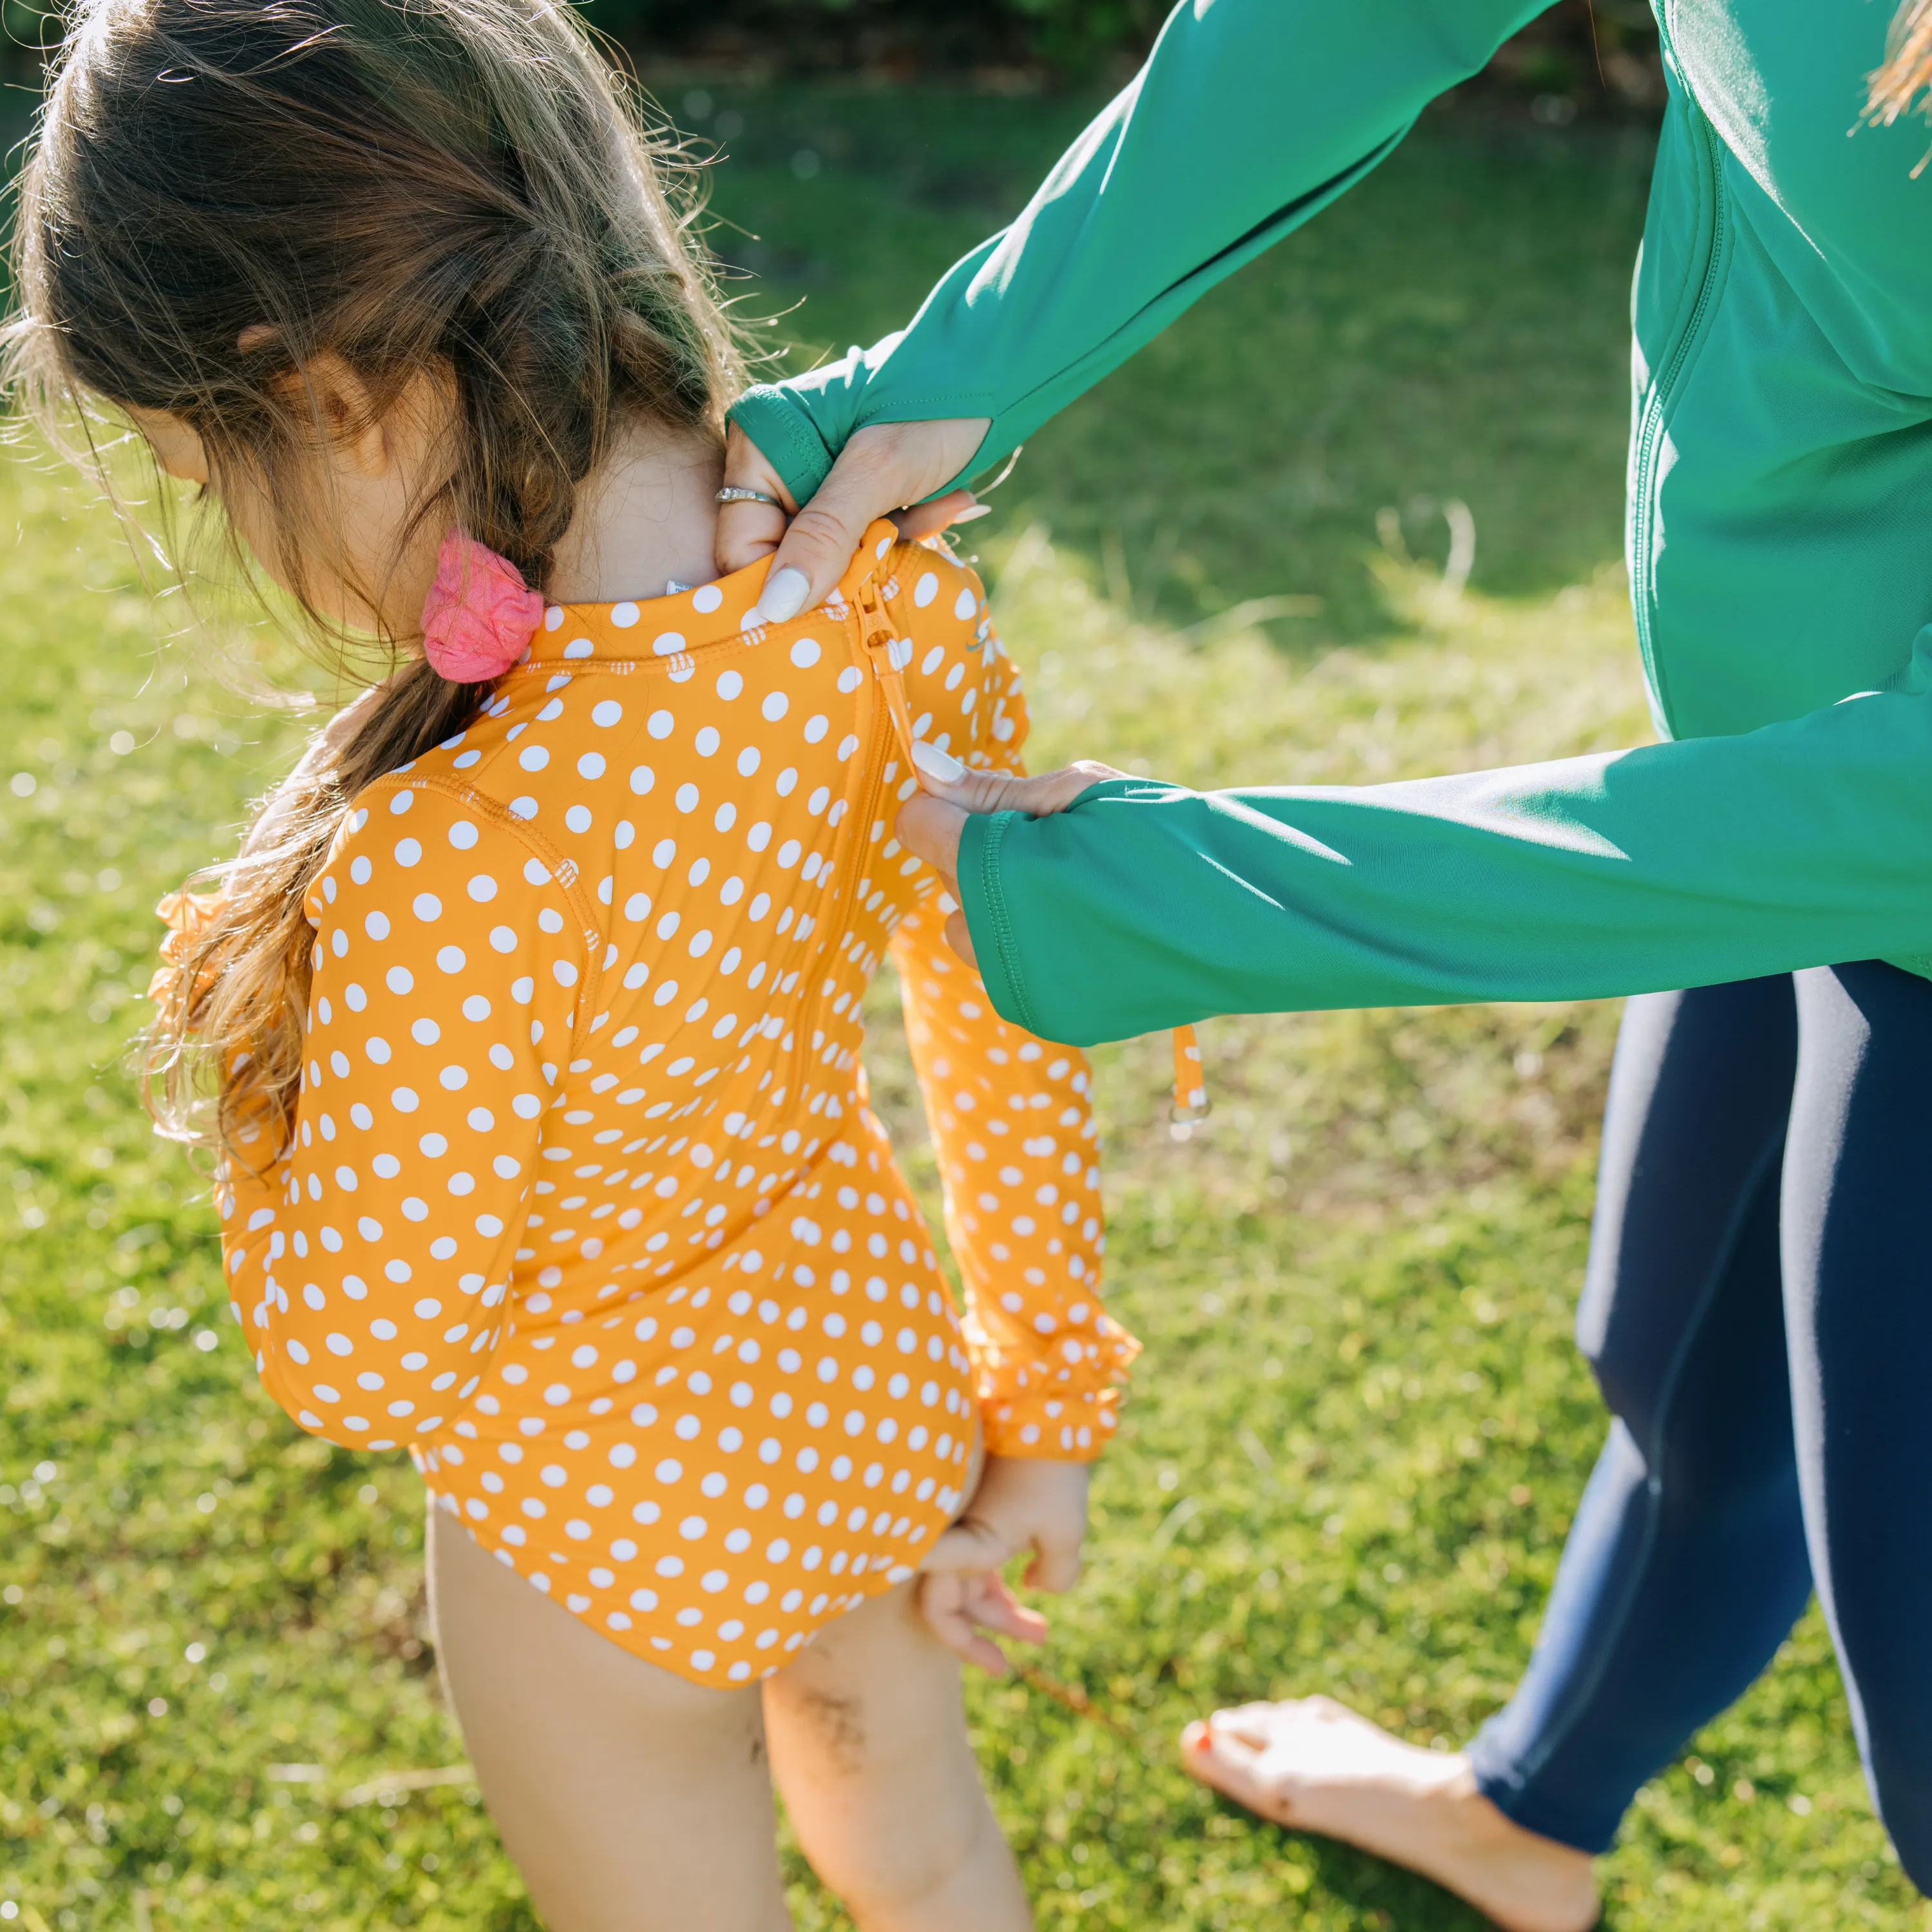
point(534, 999)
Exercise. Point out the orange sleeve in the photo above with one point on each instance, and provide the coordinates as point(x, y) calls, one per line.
point(1011, 1116)
point(368, 1266)
point(1012, 1124)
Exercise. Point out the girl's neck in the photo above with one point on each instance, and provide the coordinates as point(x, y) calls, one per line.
point(647, 518)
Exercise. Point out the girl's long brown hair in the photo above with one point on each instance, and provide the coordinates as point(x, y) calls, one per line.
point(454, 188)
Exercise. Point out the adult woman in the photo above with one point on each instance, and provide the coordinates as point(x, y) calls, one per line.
point(1757, 1309)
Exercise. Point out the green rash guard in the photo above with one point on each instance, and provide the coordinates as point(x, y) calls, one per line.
point(1779, 540)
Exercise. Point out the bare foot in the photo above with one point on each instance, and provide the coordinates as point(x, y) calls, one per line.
point(1312, 1764)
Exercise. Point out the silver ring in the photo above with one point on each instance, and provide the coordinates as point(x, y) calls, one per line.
point(731, 493)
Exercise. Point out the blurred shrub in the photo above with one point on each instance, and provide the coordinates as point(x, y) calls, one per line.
point(1073, 36)
point(1593, 54)
point(1582, 57)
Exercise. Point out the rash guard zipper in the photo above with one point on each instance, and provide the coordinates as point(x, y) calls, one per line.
point(1663, 390)
point(862, 803)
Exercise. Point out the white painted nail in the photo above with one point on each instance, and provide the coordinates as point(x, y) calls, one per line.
point(936, 763)
point(784, 594)
point(967, 515)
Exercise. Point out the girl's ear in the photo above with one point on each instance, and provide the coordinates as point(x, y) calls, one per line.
point(343, 411)
point(378, 445)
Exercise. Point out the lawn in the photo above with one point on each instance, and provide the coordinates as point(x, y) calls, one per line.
point(1359, 1427)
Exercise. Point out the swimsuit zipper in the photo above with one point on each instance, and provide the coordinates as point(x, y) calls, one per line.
point(1663, 389)
point(871, 784)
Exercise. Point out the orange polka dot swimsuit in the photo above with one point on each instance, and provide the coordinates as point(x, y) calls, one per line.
point(585, 1205)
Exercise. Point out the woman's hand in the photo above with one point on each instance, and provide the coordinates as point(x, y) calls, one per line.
point(1021, 1503)
point(931, 821)
point(878, 471)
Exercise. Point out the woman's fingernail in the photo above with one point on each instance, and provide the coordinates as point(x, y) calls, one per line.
point(967, 515)
point(936, 763)
point(784, 594)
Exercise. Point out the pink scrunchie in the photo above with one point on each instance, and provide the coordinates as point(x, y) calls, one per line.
point(480, 616)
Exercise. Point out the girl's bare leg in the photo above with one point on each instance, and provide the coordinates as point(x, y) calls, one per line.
point(868, 1745)
point(630, 1799)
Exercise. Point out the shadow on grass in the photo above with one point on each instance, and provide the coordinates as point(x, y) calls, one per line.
point(1384, 1895)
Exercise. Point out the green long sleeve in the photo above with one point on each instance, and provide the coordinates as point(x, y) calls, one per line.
point(1144, 905)
point(1249, 117)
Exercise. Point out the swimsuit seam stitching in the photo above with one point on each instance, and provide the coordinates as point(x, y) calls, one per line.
point(1005, 947)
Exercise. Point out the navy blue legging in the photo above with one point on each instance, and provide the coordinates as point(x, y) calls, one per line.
point(1758, 1310)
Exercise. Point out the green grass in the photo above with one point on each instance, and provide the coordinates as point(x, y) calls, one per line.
point(1359, 1429)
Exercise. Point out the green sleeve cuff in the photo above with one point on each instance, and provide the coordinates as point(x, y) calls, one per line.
point(787, 436)
point(987, 919)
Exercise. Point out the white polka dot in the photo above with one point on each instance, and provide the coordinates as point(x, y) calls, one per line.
point(577, 818)
point(579, 647)
point(606, 713)
point(730, 684)
point(661, 724)
point(965, 606)
point(426, 906)
point(450, 959)
point(533, 757)
point(775, 706)
point(747, 761)
point(623, 615)
point(667, 643)
point(590, 766)
point(805, 653)
point(462, 835)
point(849, 679)
point(642, 779)
point(407, 851)
point(706, 598)
point(482, 889)
point(706, 741)
point(925, 590)
point(686, 798)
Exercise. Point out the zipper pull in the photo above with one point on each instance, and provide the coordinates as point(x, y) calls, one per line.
point(890, 655)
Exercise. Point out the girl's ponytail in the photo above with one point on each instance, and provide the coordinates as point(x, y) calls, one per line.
point(449, 187)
